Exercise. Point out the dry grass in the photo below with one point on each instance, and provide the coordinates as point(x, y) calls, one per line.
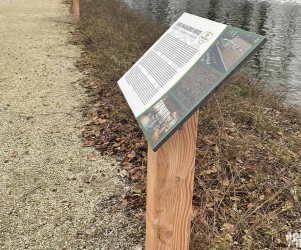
point(247, 185)
point(247, 181)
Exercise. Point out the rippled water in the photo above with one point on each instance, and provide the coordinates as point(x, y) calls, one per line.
point(279, 61)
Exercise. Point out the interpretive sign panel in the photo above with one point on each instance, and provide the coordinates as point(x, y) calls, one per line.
point(172, 79)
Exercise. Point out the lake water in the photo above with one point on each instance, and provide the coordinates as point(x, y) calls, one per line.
point(278, 63)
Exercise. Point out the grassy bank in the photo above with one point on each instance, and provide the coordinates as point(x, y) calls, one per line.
point(247, 191)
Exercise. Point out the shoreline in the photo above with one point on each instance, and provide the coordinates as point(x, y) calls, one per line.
point(274, 67)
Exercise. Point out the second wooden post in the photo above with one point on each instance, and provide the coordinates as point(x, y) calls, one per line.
point(76, 12)
point(170, 188)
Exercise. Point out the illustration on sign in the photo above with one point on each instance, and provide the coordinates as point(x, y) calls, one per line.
point(180, 70)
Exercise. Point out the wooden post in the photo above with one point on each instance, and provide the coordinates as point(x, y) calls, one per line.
point(170, 188)
point(76, 12)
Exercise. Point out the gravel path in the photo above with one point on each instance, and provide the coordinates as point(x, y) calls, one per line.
point(54, 194)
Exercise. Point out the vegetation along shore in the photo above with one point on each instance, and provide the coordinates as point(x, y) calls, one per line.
point(247, 192)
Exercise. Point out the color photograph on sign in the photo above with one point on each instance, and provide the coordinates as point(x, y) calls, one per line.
point(173, 78)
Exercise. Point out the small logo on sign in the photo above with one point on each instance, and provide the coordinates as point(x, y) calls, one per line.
point(205, 37)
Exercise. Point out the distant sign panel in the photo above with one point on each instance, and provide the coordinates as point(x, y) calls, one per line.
point(171, 80)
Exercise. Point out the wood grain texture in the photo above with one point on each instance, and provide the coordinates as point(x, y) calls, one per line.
point(170, 188)
point(76, 12)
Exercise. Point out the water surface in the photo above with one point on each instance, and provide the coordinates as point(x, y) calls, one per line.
point(278, 63)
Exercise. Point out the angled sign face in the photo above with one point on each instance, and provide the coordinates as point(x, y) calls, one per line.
point(173, 78)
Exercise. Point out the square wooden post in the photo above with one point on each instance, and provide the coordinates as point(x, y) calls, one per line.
point(170, 189)
point(76, 12)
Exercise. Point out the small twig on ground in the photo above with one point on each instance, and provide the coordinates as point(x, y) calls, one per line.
point(65, 113)
point(48, 114)
point(23, 197)
point(55, 113)
point(220, 110)
point(247, 214)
